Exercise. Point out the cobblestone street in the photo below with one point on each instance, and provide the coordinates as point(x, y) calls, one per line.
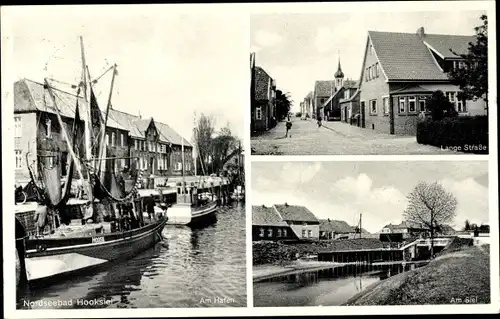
point(335, 138)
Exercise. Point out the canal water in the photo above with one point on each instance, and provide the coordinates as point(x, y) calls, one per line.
point(328, 287)
point(202, 267)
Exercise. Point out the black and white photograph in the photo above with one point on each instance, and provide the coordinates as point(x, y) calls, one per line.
point(360, 83)
point(129, 158)
point(370, 233)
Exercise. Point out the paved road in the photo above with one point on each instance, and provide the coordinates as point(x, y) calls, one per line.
point(335, 138)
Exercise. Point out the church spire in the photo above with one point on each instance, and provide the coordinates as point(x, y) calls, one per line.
point(339, 76)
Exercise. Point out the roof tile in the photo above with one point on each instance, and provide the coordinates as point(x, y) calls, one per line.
point(296, 213)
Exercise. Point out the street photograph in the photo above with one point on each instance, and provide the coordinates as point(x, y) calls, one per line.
point(358, 83)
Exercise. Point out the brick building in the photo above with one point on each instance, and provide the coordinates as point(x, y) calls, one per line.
point(263, 108)
point(401, 71)
point(37, 133)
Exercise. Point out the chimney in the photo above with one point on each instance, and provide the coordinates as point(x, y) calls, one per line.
point(421, 32)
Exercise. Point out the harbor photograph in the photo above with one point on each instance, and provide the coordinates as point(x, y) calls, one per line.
point(370, 233)
point(129, 160)
point(370, 82)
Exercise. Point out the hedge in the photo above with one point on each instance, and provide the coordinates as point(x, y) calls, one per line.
point(468, 134)
point(273, 253)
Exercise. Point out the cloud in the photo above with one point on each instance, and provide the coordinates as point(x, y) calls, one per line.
point(267, 39)
point(472, 200)
point(299, 173)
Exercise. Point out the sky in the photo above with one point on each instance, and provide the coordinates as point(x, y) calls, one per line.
point(377, 190)
point(298, 49)
point(170, 65)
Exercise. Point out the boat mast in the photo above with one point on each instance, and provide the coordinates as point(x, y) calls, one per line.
point(88, 124)
point(195, 150)
point(102, 153)
point(183, 179)
point(360, 215)
point(63, 130)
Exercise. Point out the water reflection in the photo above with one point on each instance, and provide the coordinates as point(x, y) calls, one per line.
point(328, 287)
point(192, 264)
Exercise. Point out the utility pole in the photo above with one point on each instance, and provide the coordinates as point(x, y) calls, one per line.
point(360, 232)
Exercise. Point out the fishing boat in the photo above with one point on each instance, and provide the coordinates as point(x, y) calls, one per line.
point(104, 223)
point(192, 208)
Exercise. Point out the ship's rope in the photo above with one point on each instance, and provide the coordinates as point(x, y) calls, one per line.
point(95, 180)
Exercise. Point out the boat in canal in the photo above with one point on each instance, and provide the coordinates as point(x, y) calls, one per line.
point(104, 222)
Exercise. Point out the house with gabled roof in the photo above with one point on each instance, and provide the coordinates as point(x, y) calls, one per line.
point(349, 103)
point(301, 220)
point(295, 222)
point(328, 94)
point(38, 134)
point(268, 225)
point(263, 102)
point(156, 145)
point(401, 71)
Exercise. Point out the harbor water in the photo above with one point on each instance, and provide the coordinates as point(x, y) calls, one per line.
point(328, 287)
point(203, 267)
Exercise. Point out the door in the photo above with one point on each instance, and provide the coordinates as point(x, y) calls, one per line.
point(391, 115)
point(362, 113)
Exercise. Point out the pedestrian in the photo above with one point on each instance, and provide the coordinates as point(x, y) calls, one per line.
point(319, 121)
point(79, 189)
point(288, 127)
point(150, 206)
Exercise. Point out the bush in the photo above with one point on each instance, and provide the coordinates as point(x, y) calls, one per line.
point(273, 253)
point(467, 134)
point(298, 114)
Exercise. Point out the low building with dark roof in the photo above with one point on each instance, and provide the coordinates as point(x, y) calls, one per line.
point(268, 225)
point(401, 71)
point(336, 229)
point(300, 219)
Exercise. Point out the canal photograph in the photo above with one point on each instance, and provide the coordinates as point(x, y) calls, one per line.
point(329, 233)
point(129, 176)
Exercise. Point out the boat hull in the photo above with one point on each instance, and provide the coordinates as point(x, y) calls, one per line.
point(52, 258)
point(184, 214)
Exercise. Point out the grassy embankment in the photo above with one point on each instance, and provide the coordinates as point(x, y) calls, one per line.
point(457, 275)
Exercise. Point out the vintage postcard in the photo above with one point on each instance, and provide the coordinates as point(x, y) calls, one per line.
point(128, 162)
point(370, 233)
point(364, 82)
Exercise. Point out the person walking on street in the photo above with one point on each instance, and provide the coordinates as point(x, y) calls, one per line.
point(319, 121)
point(288, 127)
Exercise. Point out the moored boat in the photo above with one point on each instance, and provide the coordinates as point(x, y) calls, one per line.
point(103, 223)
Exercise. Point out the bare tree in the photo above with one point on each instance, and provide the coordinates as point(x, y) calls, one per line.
point(204, 130)
point(431, 205)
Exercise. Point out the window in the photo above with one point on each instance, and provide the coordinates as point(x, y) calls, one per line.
point(145, 163)
point(135, 144)
point(304, 233)
point(309, 233)
point(284, 232)
point(451, 97)
point(123, 139)
point(279, 232)
point(113, 139)
point(18, 131)
point(258, 113)
point(421, 103)
point(19, 159)
point(385, 101)
point(270, 232)
point(369, 73)
point(179, 166)
point(346, 94)
point(49, 128)
point(412, 104)
point(373, 106)
point(402, 106)
point(123, 162)
point(261, 232)
point(376, 69)
point(461, 106)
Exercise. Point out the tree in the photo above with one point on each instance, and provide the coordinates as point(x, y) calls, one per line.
point(224, 144)
point(432, 206)
point(203, 132)
point(283, 104)
point(473, 78)
point(467, 225)
point(440, 107)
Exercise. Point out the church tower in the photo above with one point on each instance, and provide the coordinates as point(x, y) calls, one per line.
point(339, 77)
